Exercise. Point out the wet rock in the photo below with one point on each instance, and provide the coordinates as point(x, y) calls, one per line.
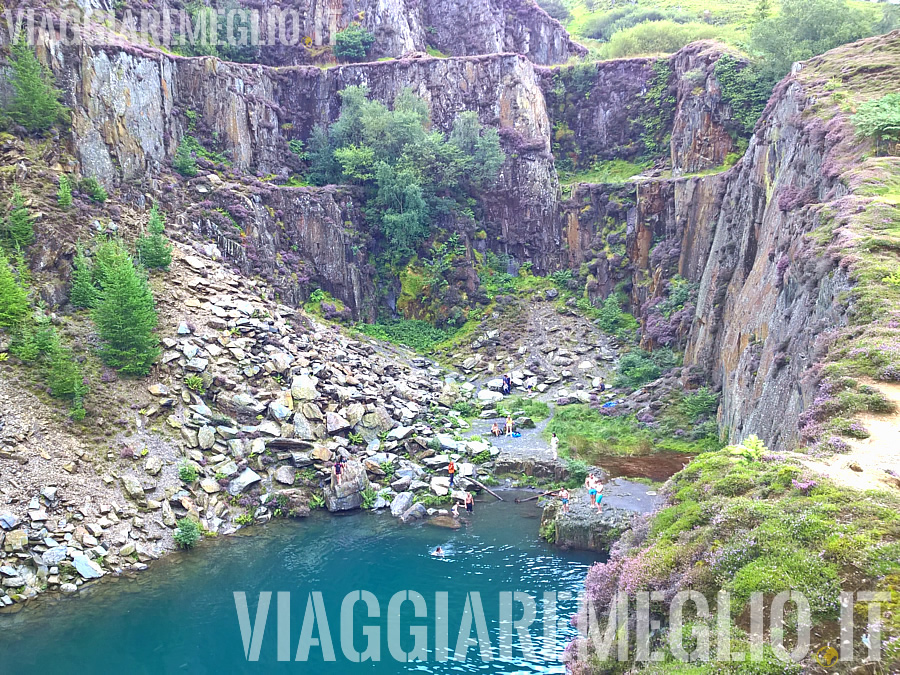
point(414, 512)
point(86, 567)
point(444, 521)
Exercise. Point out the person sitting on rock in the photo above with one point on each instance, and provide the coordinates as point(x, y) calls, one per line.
point(495, 430)
point(451, 469)
point(602, 385)
point(338, 470)
point(509, 425)
point(554, 445)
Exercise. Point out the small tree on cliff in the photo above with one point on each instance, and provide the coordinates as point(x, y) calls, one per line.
point(18, 229)
point(126, 318)
point(35, 104)
point(13, 298)
point(83, 293)
point(154, 251)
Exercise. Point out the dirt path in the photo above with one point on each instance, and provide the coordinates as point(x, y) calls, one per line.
point(864, 467)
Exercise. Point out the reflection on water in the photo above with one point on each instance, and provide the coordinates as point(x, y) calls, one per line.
point(180, 615)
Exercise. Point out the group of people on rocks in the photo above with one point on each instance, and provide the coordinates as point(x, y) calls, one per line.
point(510, 427)
point(595, 494)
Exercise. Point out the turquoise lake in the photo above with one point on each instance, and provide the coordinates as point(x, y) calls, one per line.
point(180, 616)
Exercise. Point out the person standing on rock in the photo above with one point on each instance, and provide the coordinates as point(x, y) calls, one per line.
point(470, 502)
point(507, 385)
point(338, 470)
point(554, 445)
point(509, 425)
point(564, 498)
point(599, 497)
point(451, 469)
point(591, 484)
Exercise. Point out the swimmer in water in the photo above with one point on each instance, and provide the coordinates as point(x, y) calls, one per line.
point(439, 552)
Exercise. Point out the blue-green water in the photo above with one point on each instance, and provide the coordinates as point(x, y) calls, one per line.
point(180, 615)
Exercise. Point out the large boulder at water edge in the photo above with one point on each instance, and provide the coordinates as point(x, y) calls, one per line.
point(348, 495)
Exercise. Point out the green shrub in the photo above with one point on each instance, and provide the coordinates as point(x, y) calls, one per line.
point(14, 306)
point(353, 43)
point(35, 103)
point(93, 189)
point(613, 320)
point(154, 251)
point(187, 534)
point(879, 119)
point(368, 498)
point(126, 318)
point(244, 519)
point(536, 410)
point(194, 383)
point(184, 161)
point(18, 229)
point(316, 501)
point(64, 192)
point(187, 472)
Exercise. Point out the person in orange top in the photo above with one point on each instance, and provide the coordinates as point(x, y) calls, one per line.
point(451, 469)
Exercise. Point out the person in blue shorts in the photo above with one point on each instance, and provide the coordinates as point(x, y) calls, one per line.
point(591, 484)
point(564, 498)
point(599, 497)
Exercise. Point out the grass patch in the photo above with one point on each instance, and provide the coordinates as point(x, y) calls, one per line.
point(413, 333)
point(588, 434)
point(614, 171)
point(519, 405)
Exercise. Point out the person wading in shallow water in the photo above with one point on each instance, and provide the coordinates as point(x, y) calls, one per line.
point(470, 502)
point(338, 470)
point(451, 469)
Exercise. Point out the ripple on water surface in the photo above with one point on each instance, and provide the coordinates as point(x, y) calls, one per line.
point(180, 615)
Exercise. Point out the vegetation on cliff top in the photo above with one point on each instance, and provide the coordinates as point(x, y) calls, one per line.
point(747, 521)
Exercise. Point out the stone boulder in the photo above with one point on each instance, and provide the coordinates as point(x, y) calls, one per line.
point(348, 495)
point(414, 512)
point(583, 528)
point(402, 502)
point(243, 482)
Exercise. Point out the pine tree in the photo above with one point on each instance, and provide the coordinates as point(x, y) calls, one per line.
point(154, 251)
point(64, 193)
point(63, 373)
point(125, 317)
point(35, 104)
point(19, 230)
point(83, 293)
point(14, 306)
